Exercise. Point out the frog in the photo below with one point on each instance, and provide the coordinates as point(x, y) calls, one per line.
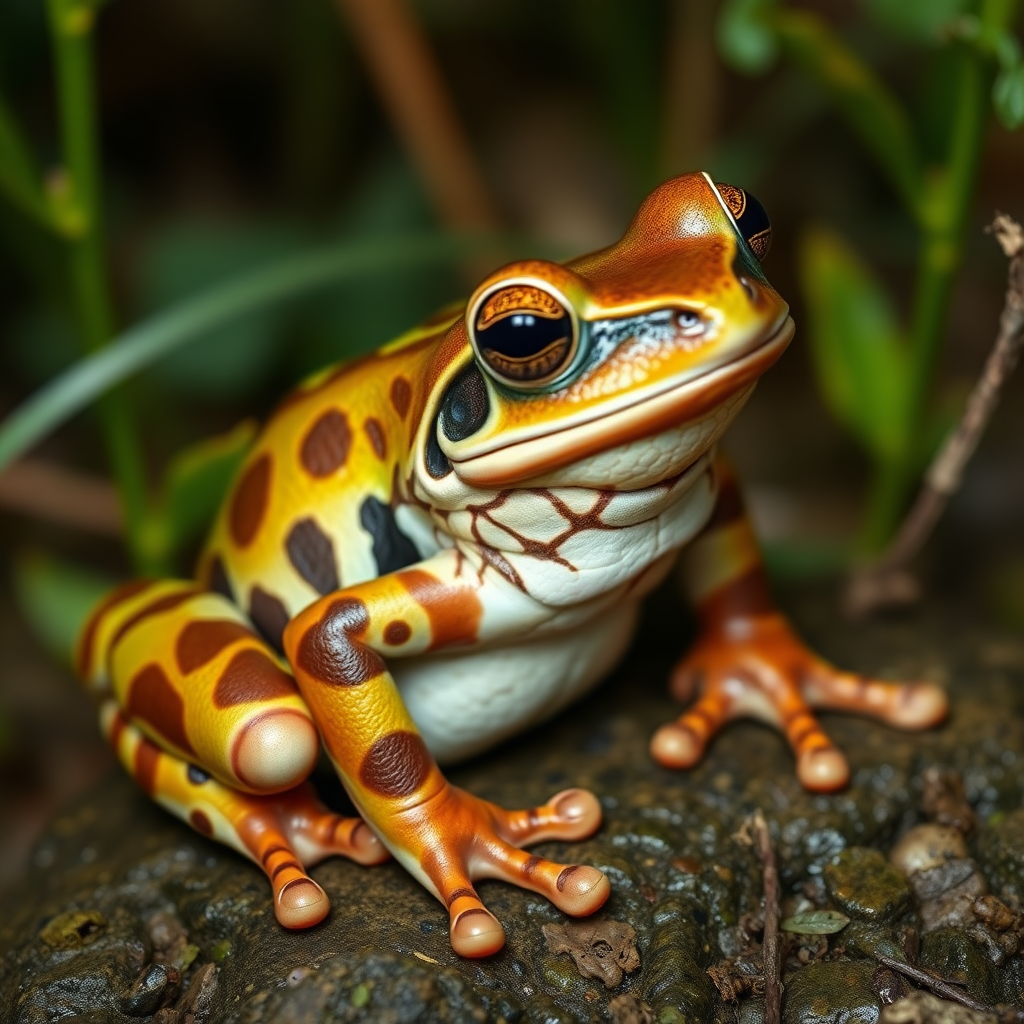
point(432, 548)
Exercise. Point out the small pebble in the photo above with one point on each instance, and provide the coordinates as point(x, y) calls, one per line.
point(927, 846)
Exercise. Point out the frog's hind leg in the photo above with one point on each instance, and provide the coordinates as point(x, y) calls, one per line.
point(200, 711)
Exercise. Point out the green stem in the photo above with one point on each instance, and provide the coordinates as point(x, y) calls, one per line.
point(947, 203)
point(71, 28)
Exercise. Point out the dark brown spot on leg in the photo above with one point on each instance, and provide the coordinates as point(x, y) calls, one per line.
point(270, 851)
point(330, 651)
point(269, 615)
point(153, 699)
point(88, 641)
point(147, 760)
point(249, 502)
point(378, 439)
point(325, 448)
point(531, 865)
point(454, 612)
point(203, 639)
point(397, 632)
point(312, 554)
point(396, 765)
point(201, 823)
point(401, 396)
point(565, 876)
point(283, 866)
point(251, 676)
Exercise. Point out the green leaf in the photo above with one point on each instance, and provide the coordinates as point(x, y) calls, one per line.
point(1008, 97)
point(859, 355)
point(18, 175)
point(150, 341)
point(815, 922)
point(56, 598)
point(918, 20)
point(196, 482)
point(870, 109)
point(745, 38)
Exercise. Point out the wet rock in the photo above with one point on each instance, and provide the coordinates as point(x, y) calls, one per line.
point(944, 800)
point(832, 992)
point(952, 954)
point(1001, 855)
point(168, 896)
point(946, 894)
point(863, 883)
point(154, 988)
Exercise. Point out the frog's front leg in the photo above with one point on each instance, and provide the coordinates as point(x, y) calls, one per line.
point(444, 836)
point(748, 663)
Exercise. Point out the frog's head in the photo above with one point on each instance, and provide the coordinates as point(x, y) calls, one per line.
point(620, 368)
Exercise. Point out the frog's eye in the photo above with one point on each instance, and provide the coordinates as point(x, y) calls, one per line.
point(523, 335)
point(750, 218)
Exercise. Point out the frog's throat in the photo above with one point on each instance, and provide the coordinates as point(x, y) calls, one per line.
point(649, 415)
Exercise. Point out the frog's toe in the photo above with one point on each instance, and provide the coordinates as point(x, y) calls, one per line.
point(300, 902)
point(822, 770)
point(473, 929)
point(574, 888)
point(681, 744)
point(903, 705)
point(570, 815)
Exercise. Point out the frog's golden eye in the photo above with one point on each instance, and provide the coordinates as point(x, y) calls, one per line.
point(750, 217)
point(524, 336)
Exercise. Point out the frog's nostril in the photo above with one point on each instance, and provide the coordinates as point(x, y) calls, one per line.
point(748, 286)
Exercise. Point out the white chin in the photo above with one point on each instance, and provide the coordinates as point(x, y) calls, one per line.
point(649, 460)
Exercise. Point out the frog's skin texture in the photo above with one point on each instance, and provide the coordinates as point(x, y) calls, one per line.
point(439, 545)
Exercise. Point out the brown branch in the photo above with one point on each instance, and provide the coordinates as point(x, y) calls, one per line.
point(413, 92)
point(887, 581)
point(45, 490)
point(754, 833)
point(936, 985)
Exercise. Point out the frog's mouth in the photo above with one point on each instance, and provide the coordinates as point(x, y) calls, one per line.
point(651, 413)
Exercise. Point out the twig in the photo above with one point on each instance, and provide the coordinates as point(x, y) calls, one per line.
point(48, 491)
point(413, 92)
point(887, 581)
point(937, 985)
point(754, 833)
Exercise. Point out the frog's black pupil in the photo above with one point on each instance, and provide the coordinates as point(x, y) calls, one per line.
point(465, 406)
point(526, 346)
point(751, 218)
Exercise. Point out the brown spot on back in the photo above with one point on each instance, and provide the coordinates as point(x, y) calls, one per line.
point(161, 604)
point(330, 651)
point(378, 439)
point(203, 639)
point(396, 765)
point(88, 641)
point(249, 502)
point(311, 552)
point(153, 699)
point(269, 615)
point(251, 676)
point(201, 823)
point(401, 396)
point(454, 612)
point(325, 448)
point(146, 762)
point(397, 632)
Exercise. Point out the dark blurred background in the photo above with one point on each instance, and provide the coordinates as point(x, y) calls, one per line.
point(234, 134)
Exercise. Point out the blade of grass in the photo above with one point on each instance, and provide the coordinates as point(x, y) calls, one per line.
point(144, 344)
point(18, 175)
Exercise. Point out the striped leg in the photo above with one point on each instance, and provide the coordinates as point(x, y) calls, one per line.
point(202, 715)
point(444, 836)
point(748, 662)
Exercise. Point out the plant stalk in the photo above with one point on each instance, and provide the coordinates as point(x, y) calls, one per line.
point(71, 24)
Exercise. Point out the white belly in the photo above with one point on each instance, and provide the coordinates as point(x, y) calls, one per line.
point(465, 703)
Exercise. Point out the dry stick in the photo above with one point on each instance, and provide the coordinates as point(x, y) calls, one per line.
point(45, 490)
point(887, 582)
point(755, 833)
point(941, 988)
point(413, 92)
